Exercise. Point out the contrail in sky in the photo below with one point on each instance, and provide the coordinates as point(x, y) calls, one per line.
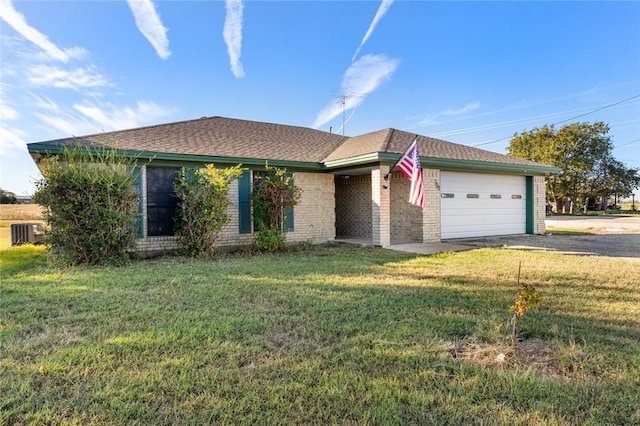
point(17, 20)
point(382, 10)
point(362, 78)
point(232, 34)
point(149, 24)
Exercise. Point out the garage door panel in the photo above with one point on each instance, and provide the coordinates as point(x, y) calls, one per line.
point(496, 206)
point(480, 219)
point(474, 231)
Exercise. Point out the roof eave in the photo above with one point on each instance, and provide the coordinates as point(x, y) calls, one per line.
point(484, 166)
point(37, 150)
point(444, 164)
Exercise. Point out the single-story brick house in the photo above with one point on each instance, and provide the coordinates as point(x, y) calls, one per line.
point(469, 192)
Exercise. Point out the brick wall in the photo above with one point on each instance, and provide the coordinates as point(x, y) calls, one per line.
point(431, 216)
point(353, 206)
point(406, 219)
point(230, 235)
point(314, 216)
point(539, 204)
point(380, 208)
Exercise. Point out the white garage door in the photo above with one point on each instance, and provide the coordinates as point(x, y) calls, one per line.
point(476, 205)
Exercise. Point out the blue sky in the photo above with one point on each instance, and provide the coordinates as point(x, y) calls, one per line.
point(468, 72)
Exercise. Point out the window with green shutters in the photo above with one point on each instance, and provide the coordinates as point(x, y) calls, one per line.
point(245, 184)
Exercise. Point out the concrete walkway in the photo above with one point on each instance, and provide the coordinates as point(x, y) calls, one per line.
point(614, 236)
point(413, 247)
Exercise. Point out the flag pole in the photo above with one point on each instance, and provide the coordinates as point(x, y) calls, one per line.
point(415, 140)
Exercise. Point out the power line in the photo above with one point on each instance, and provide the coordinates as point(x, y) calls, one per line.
point(599, 109)
point(629, 143)
point(572, 118)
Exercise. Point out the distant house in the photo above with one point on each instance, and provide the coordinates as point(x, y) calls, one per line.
point(23, 199)
point(469, 192)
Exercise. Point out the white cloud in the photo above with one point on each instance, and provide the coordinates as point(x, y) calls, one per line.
point(149, 24)
point(11, 138)
point(18, 22)
point(65, 124)
point(109, 117)
point(362, 78)
point(7, 112)
point(52, 76)
point(232, 34)
point(382, 10)
point(95, 117)
point(436, 118)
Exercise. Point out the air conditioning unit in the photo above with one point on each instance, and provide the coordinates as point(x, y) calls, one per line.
point(23, 233)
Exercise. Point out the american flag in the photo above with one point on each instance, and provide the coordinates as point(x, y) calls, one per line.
point(409, 165)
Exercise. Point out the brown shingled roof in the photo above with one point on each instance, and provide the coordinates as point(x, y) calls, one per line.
point(220, 137)
point(227, 137)
point(397, 141)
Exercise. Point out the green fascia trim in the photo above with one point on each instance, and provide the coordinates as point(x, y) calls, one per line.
point(481, 166)
point(390, 159)
point(373, 159)
point(188, 158)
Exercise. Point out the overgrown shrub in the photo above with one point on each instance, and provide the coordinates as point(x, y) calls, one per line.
point(202, 210)
point(272, 195)
point(90, 205)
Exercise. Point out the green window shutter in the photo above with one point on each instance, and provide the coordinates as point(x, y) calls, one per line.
point(288, 211)
point(137, 173)
point(529, 205)
point(288, 218)
point(244, 202)
point(190, 173)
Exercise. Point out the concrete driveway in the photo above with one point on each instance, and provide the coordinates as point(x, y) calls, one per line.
point(613, 236)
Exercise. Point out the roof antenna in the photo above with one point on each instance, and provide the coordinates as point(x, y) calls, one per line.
point(343, 101)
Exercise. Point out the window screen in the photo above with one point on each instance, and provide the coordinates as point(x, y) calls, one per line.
point(161, 200)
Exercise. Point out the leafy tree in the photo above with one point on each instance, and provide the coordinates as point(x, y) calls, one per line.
point(90, 206)
point(204, 198)
point(272, 195)
point(611, 177)
point(7, 197)
point(583, 152)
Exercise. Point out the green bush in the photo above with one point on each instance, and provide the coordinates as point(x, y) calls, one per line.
point(204, 198)
point(272, 195)
point(90, 205)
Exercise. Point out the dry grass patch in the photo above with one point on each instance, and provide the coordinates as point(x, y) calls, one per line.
point(21, 212)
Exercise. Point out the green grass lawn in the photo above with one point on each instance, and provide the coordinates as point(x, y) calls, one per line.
point(334, 334)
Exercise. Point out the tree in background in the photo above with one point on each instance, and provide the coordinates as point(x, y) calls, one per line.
point(204, 198)
point(90, 205)
point(7, 197)
point(584, 153)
